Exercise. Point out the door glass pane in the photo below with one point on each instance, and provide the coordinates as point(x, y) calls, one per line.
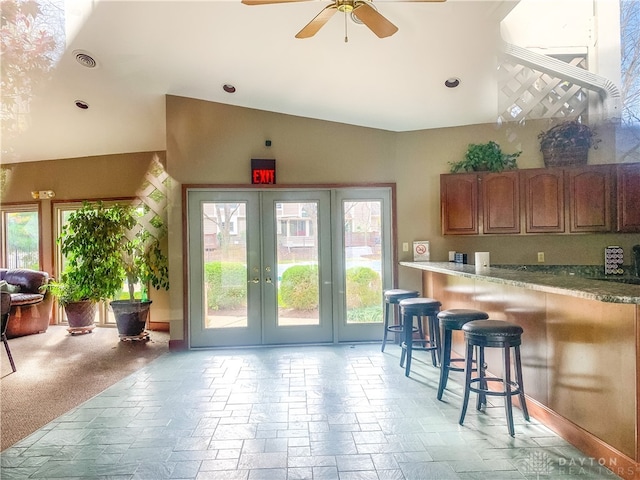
point(297, 263)
point(22, 240)
point(225, 264)
point(363, 260)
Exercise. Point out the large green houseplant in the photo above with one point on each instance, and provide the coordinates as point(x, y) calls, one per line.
point(104, 246)
point(91, 242)
point(485, 157)
point(145, 264)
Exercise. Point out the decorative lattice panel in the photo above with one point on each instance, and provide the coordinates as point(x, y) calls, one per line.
point(152, 200)
point(526, 93)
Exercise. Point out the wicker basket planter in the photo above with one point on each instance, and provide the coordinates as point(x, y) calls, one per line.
point(81, 314)
point(565, 157)
point(567, 144)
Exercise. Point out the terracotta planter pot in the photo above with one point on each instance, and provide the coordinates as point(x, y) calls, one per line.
point(81, 314)
point(131, 317)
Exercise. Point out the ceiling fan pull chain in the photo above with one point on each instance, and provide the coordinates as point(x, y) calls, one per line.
point(346, 38)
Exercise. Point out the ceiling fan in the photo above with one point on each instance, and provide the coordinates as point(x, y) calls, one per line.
point(362, 11)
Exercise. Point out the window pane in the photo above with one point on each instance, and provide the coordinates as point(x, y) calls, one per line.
point(22, 240)
point(225, 264)
point(297, 263)
point(363, 261)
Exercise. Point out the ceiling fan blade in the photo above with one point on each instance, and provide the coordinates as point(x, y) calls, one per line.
point(318, 22)
point(374, 20)
point(267, 2)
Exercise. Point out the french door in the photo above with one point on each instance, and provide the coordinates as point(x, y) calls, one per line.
point(285, 266)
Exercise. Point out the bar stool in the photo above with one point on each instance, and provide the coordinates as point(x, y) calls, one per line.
point(494, 334)
point(451, 320)
point(391, 299)
point(420, 308)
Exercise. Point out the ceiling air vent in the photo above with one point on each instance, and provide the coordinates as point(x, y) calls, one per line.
point(85, 59)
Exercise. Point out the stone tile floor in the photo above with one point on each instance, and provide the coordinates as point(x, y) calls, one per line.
point(284, 413)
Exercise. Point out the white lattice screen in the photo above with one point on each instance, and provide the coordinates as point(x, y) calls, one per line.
point(527, 93)
point(153, 195)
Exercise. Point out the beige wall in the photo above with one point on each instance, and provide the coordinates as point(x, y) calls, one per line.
point(210, 143)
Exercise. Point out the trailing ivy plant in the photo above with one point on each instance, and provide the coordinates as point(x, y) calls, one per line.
point(568, 135)
point(485, 157)
point(143, 258)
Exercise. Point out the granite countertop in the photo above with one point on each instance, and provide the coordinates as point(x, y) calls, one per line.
point(572, 285)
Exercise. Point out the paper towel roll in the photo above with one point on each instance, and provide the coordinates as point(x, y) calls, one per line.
point(482, 259)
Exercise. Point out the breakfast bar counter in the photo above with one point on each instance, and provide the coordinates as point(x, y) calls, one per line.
point(580, 349)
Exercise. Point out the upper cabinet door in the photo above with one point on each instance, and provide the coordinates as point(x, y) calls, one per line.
point(628, 184)
point(590, 198)
point(543, 193)
point(501, 202)
point(459, 204)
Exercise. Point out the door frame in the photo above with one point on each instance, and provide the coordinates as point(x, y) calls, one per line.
point(186, 188)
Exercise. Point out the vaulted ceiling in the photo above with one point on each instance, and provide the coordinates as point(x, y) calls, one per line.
point(147, 49)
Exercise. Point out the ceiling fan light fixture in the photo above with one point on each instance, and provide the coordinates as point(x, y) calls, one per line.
point(227, 87)
point(452, 82)
point(345, 6)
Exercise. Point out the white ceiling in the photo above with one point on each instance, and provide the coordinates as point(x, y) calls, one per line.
point(146, 49)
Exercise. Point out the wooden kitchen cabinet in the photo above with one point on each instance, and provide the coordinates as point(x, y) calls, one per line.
point(459, 204)
point(500, 202)
point(589, 199)
point(474, 203)
point(628, 197)
point(543, 200)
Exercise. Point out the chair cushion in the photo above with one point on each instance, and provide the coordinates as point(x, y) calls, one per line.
point(419, 306)
point(455, 318)
point(492, 327)
point(397, 294)
point(26, 298)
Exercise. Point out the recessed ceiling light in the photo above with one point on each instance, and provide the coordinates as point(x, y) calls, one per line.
point(81, 104)
point(452, 82)
point(227, 87)
point(85, 59)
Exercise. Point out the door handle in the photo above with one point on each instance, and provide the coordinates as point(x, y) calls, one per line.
point(268, 280)
point(255, 280)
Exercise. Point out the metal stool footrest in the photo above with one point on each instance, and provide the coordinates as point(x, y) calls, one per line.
point(514, 387)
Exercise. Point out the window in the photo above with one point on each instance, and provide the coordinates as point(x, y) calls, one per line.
point(21, 236)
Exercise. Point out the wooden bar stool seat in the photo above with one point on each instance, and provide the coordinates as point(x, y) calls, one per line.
point(451, 320)
point(391, 300)
point(419, 308)
point(483, 334)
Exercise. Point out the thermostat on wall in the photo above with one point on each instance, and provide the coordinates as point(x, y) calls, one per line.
point(421, 251)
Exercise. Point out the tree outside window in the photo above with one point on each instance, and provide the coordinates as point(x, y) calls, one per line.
point(22, 248)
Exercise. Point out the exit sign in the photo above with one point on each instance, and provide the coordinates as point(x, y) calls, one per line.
point(263, 171)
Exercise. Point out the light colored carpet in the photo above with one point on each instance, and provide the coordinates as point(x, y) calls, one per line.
point(57, 372)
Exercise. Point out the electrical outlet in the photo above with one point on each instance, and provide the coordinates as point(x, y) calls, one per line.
point(405, 247)
point(541, 257)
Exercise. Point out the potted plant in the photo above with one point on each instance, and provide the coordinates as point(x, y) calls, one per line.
point(144, 263)
point(485, 157)
point(91, 243)
point(567, 144)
